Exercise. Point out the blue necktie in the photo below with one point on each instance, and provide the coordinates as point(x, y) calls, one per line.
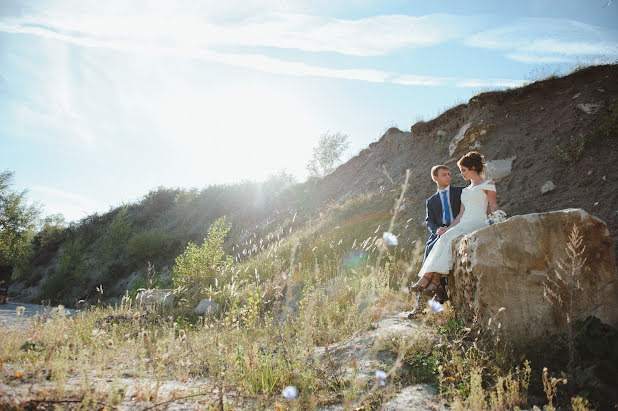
point(447, 209)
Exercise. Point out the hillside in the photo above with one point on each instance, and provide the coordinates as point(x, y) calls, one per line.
point(530, 124)
point(527, 123)
point(309, 306)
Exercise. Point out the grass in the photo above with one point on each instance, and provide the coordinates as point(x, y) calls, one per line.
point(293, 297)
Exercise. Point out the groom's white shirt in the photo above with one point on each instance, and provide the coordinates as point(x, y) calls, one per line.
point(448, 196)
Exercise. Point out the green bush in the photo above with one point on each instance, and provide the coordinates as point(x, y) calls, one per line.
point(573, 150)
point(152, 245)
point(199, 267)
point(116, 236)
point(71, 270)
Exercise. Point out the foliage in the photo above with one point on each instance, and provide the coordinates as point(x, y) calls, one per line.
point(17, 221)
point(71, 270)
point(327, 154)
point(151, 245)
point(609, 125)
point(199, 267)
point(562, 287)
point(571, 151)
point(117, 235)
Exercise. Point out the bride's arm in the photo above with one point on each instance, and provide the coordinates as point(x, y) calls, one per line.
point(456, 221)
point(492, 199)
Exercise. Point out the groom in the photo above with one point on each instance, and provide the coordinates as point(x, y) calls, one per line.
point(442, 207)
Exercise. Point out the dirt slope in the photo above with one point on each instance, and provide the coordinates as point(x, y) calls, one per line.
point(527, 123)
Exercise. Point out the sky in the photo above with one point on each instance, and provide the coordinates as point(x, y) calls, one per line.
point(103, 101)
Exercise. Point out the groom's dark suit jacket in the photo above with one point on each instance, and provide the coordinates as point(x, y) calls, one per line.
point(434, 212)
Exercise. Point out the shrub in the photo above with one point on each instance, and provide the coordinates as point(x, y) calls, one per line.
point(573, 150)
point(117, 235)
point(151, 245)
point(198, 268)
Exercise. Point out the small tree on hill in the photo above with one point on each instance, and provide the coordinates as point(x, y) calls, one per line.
point(17, 221)
point(199, 267)
point(327, 154)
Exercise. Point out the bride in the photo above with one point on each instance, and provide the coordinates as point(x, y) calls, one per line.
point(472, 216)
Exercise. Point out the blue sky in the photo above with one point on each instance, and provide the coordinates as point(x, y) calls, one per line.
point(102, 101)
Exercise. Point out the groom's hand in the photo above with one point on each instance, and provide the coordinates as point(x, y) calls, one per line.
point(441, 231)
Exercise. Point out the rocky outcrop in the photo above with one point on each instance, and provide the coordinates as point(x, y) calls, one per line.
point(206, 307)
point(506, 265)
point(163, 297)
point(467, 137)
point(498, 169)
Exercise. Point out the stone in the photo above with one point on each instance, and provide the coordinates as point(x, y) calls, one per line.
point(506, 265)
point(467, 136)
point(207, 307)
point(498, 169)
point(164, 296)
point(589, 108)
point(415, 397)
point(547, 187)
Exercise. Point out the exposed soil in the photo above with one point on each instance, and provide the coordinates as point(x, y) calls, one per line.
point(527, 123)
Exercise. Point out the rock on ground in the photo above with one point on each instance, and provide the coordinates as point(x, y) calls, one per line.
point(498, 169)
point(414, 397)
point(506, 264)
point(156, 296)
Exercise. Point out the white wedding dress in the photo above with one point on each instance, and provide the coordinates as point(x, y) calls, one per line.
point(474, 200)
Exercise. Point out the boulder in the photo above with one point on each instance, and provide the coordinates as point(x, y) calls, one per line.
point(466, 137)
point(207, 307)
point(589, 108)
point(547, 187)
point(164, 297)
point(498, 169)
point(506, 265)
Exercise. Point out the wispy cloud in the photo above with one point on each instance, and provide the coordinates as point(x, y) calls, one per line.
point(544, 40)
point(415, 80)
point(73, 206)
point(489, 83)
point(372, 36)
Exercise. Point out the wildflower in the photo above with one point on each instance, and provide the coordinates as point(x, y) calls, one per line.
point(390, 238)
point(136, 316)
point(435, 306)
point(290, 392)
point(381, 377)
point(17, 374)
point(110, 343)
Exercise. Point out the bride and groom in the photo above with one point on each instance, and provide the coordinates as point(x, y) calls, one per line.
point(451, 212)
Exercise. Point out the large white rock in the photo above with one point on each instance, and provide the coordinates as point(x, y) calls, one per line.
point(162, 296)
point(547, 187)
point(506, 265)
point(498, 169)
point(589, 108)
point(466, 137)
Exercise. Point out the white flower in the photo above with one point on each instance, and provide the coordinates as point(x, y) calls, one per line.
point(435, 306)
point(381, 376)
point(390, 238)
point(290, 392)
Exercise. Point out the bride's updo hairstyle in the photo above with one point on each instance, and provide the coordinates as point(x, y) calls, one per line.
point(473, 161)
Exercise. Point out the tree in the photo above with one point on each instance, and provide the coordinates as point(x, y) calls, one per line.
point(17, 221)
point(327, 154)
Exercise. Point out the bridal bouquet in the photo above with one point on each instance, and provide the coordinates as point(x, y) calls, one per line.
point(497, 216)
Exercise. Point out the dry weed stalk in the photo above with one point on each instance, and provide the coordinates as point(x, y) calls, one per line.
point(561, 287)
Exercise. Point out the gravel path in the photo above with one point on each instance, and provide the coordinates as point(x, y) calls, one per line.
point(13, 316)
